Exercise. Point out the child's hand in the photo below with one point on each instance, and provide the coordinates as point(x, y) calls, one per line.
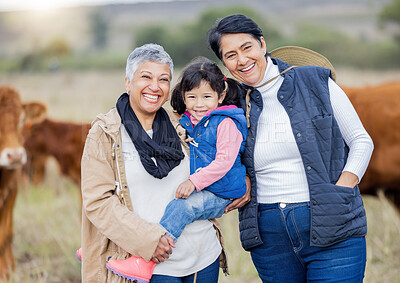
point(189, 139)
point(184, 190)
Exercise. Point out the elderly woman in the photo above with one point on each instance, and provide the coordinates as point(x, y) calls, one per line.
point(306, 152)
point(132, 164)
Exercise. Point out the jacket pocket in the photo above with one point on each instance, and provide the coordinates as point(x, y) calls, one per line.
point(334, 202)
point(337, 213)
point(323, 126)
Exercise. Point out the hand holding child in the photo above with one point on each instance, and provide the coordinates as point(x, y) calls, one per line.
point(163, 249)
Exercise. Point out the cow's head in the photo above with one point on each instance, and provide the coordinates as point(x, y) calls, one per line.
point(14, 115)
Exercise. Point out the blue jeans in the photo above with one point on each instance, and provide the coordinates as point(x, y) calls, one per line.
point(286, 254)
point(206, 275)
point(198, 206)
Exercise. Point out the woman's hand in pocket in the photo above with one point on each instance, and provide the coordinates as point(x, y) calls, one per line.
point(347, 179)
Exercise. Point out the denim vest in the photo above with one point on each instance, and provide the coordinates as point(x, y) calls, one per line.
point(203, 150)
point(337, 213)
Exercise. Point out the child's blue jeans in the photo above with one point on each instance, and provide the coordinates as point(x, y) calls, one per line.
point(198, 206)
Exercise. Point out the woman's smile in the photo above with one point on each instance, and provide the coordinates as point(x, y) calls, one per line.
point(151, 98)
point(246, 70)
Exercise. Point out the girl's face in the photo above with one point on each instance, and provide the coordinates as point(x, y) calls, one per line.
point(149, 88)
point(202, 99)
point(244, 57)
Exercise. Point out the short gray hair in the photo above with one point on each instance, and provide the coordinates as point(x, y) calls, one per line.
point(145, 53)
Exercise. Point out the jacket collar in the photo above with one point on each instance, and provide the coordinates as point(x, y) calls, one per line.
point(109, 122)
point(281, 65)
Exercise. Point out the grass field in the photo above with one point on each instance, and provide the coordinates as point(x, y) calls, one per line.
point(47, 217)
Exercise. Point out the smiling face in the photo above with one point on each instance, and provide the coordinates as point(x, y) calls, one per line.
point(149, 88)
point(202, 99)
point(244, 57)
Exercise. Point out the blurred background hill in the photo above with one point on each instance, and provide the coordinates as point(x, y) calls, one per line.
point(350, 33)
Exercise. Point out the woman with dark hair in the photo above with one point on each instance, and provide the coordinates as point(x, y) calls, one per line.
point(303, 219)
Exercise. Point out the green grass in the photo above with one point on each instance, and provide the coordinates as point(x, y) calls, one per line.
point(47, 232)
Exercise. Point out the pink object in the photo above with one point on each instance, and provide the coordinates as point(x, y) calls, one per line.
point(133, 268)
point(79, 254)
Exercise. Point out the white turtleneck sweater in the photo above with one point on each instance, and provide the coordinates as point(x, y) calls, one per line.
point(278, 165)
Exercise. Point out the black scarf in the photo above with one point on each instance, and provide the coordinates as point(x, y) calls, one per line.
point(165, 146)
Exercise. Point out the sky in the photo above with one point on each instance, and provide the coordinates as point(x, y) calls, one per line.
point(13, 5)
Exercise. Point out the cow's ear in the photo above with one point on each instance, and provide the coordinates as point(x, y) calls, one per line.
point(35, 112)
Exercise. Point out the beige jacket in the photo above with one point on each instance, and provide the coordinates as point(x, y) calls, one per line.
point(109, 228)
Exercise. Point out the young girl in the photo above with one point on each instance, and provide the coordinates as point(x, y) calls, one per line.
point(216, 131)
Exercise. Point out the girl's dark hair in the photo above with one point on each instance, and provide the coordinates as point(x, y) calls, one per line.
point(231, 24)
point(203, 69)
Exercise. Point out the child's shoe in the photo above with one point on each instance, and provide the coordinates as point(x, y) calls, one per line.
point(133, 268)
point(79, 254)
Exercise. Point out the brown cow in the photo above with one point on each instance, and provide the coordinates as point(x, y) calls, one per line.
point(62, 140)
point(13, 115)
point(379, 110)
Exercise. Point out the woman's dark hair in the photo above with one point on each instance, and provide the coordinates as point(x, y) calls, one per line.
point(231, 24)
point(203, 69)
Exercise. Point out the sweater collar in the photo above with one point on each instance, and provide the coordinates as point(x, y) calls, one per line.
point(271, 71)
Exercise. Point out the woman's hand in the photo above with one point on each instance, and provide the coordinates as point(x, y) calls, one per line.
point(184, 190)
point(239, 202)
point(163, 249)
point(347, 179)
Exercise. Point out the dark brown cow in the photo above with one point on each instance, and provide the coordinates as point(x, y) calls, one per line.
point(379, 110)
point(61, 140)
point(13, 115)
